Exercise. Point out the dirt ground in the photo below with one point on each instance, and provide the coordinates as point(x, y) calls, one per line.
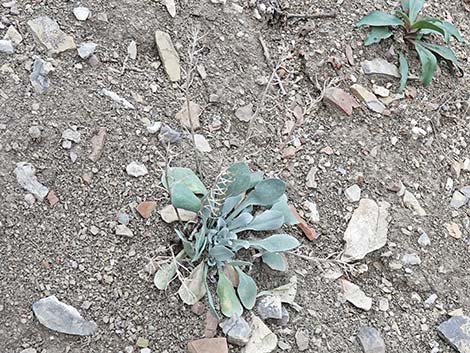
point(48, 250)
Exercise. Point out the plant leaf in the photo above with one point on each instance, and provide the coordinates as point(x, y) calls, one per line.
point(193, 289)
point(378, 18)
point(414, 8)
point(426, 24)
point(221, 253)
point(286, 293)
point(404, 70)
point(186, 177)
point(240, 179)
point(276, 243)
point(241, 221)
point(268, 220)
point(229, 303)
point(167, 272)
point(246, 289)
point(229, 204)
point(275, 261)
point(239, 244)
point(183, 197)
point(283, 207)
point(428, 63)
point(376, 35)
point(405, 17)
point(443, 52)
point(256, 178)
point(449, 30)
point(210, 299)
point(405, 5)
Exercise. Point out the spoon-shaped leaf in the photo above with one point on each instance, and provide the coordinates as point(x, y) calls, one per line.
point(376, 35)
point(183, 197)
point(229, 303)
point(268, 220)
point(275, 261)
point(246, 289)
point(428, 63)
point(239, 178)
point(378, 18)
point(186, 177)
point(276, 243)
point(283, 207)
point(404, 70)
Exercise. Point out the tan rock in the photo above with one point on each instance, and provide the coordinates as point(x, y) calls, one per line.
point(169, 215)
point(353, 294)
point(49, 36)
point(454, 230)
point(195, 110)
point(13, 35)
point(208, 345)
point(146, 208)
point(262, 339)
point(340, 99)
point(97, 144)
point(168, 55)
point(368, 98)
point(245, 113)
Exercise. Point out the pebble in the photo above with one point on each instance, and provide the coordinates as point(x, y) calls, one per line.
point(123, 230)
point(81, 13)
point(168, 135)
point(97, 144)
point(87, 49)
point(380, 91)
point(132, 50)
point(353, 193)
point(168, 214)
point(154, 127)
point(244, 113)
point(353, 294)
point(6, 46)
point(370, 340)
point(67, 144)
point(412, 203)
point(146, 208)
point(424, 240)
point(49, 36)
point(370, 99)
point(430, 301)
point(38, 78)
point(116, 98)
point(136, 169)
point(458, 200)
point(145, 350)
point(29, 350)
point(237, 330)
point(61, 317)
point(262, 339)
point(201, 143)
point(302, 340)
point(183, 116)
point(454, 230)
point(455, 332)
point(25, 175)
point(30, 199)
point(142, 342)
point(269, 307)
point(13, 35)
point(168, 55)
point(380, 66)
point(208, 345)
point(71, 135)
point(34, 132)
point(411, 260)
point(123, 218)
point(341, 100)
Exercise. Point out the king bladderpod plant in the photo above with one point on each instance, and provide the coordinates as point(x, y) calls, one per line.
point(240, 203)
point(417, 32)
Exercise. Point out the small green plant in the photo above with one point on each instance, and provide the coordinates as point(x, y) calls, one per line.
point(416, 32)
point(221, 242)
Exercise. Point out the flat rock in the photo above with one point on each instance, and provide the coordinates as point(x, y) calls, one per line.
point(269, 307)
point(168, 135)
point(454, 230)
point(341, 100)
point(411, 260)
point(97, 144)
point(369, 99)
point(146, 208)
point(457, 333)
point(25, 175)
point(381, 91)
point(168, 55)
point(6, 46)
point(412, 203)
point(38, 78)
point(13, 35)
point(458, 200)
point(353, 294)
point(380, 67)
point(154, 127)
point(87, 49)
point(371, 341)
point(168, 214)
point(49, 36)
point(81, 13)
point(208, 345)
point(124, 231)
point(116, 98)
point(367, 230)
point(61, 317)
point(202, 144)
point(353, 193)
point(302, 340)
point(262, 339)
point(237, 330)
point(244, 113)
point(132, 50)
point(71, 135)
point(183, 116)
point(136, 169)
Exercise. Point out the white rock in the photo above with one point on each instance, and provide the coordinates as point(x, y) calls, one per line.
point(123, 230)
point(311, 183)
point(430, 301)
point(353, 193)
point(262, 339)
point(411, 260)
point(124, 102)
point(168, 55)
point(201, 143)
point(380, 91)
point(71, 135)
point(168, 214)
point(6, 46)
point(85, 50)
point(353, 294)
point(81, 13)
point(48, 34)
point(132, 50)
point(424, 240)
point(312, 208)
point(154, 127)
point(380, 67)
point(136, 169)
point(412, 203)
point(13, 35)
point(25, 175)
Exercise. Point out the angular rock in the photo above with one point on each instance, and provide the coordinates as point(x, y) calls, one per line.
point(194, 111)
point(262, 339)
point(202, 144)
point(237, 330)
point(6, 46)
point(168, 214)
point(370, 99)
point(341, 100)
point(71, 135)
point(170, 7)
point(124, 231)
point(38, 77)
point(380, 91)
point(168, 55)
point(210, 325)
point(25, 175)
point(146, 208)
point(454, 230)
point(311, 183)
point(61, 317)
point(48, 34)
point(411, 260)
point(456, 332)
point(302, 340)
point(353, 294)
point(424, 240)
point(269, 307)
point(154, 127)
point(466, 192)
point(458, 200)
point(168, 135)
point(208, 345)
point(81, 13)
point(123, 218)
point(132, 50)
point(244, 113)
point(97, 144)
point(380, 67)
point(371, 341)
point(124, 102)
point(136, 169)
point(412, 203)
point(34, 132)
point(13, 35)
point(85, 50)
point(52, 198)
point(353, 193)
point(367, 230)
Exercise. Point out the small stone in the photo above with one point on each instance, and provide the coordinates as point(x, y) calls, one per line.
point(146, 208)
point(86, 50)
point(132, 50)
point(454, 230)
point(424, 240)
point(311, 183)
point(94, 230)
point(61, 317)
point(142, 342)
point(168, 55)
point(168, 214)
point(30, 199)
point(71, 135)
point(236, 330)
point(136, 169)
point(210, 325)
point(458, 200)
point(466, 164)
point(341, 100)
point(81, 13)
point(13, 35)
point(195, 110)
point(370, 340)
point(244, 113)
point(52, 198)
point(48, 34)
point(380, 91)
point(208, 345)
point(411, 260)
point(201, 143)
point(466, 191)
point(380, 67)
point(6, 46)
point(353, 294)
point(302, 340)
point(25, 175)
point(353, 193)
point(34, 132)
point(269, 307)
point(154, 127)
point(456, 312)
point(29, 350)
point(198, 308)
point(67, 144)
point(383, 304)
point(412, 203)
point(145, 350)
point(118, 99)
point(430, 301)
point(368, 98)
point(455, 332)
point(201, 71)
point(97, 144)
point(93, 61)
point(262, 339)
point(284, 346)
point(123, 230)
point(168, 135)
point(123, 218)
point(38, 77)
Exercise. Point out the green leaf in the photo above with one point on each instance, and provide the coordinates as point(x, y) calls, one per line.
point(186, 177)
point(276, 243)
point(221, 253)
point(239, 244)
point(246, 289)
point(229, 303)
point(426, 24)
point(229, 204)
point(241, 221)
point(405, 5)
point(428, 63)
point(405, 17)
point(183, 197)
point(210, 299)
point(376, 35)
point(239, 178)
point(404, 70)
point(187, 245)
point(414, 8)
point(443, 52)
point(378, 18)
point(268, 220)
point(256, 178)
point(283, 207)
point(193, 289)
point(449, 30)
point(275, 261)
